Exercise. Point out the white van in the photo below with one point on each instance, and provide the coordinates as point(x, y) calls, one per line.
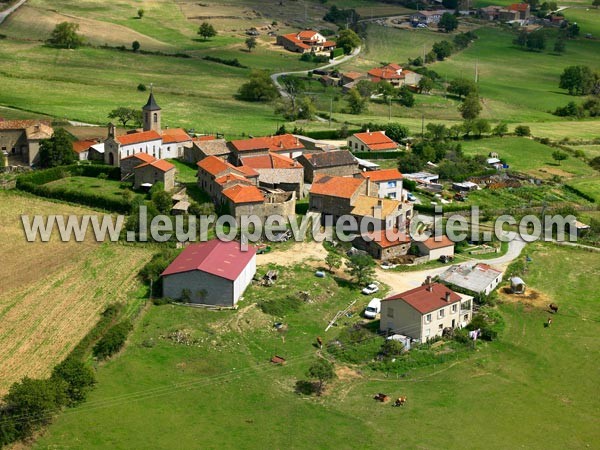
point(373, 308)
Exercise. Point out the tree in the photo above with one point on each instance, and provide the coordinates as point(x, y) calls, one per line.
point(348, 40)
point(425, 85)
point(406, 97)
point(206, 30)
point(448, 22)
point(572, 31)
point(536, 41)
point(410, 163)
point(124, 114)
point(333, 261)
point(65, 35)
point(522, 130)
point(392, 348)
point(135, 46)
point(361, 267)
point(481, 126)
point(259, 88)
point(450, 4)
point(437, 131)
point(385, 89)
point(470, 107)
point(455, 131)
point(306, 108)
point(293, 86)
point(162, 200)
point(140, 13)
point(461, 87)
point(321, 370)
point(78, 376)
point(356, 102)
point(57, 151)
point(500, 130)
point(442, 49)
point(578, 80)
point(34, 402)
point(521, 39)
point(396, 132)
point(251, 43)
point(366, 88)
point(559, 156)
point(559, 46)
point(596, 3)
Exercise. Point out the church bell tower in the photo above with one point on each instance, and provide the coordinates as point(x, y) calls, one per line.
point(151, 114)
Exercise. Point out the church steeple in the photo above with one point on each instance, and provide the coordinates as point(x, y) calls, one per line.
point(151, 113)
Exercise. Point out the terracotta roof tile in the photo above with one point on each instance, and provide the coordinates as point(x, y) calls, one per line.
point(244, 194)
point(272, 143)
point(432, 244)
point(82, 146)
point(144, 157)
point(376, 140)
point(271, 161)
point(160, 164)
point(213, 165)
point(382, 239)
point(382, 175)
point(138, 138)
point(173, 135)
point(426, 301)
point(343, 187)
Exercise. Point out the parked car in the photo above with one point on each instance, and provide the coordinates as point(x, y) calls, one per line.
point(411, 197)
point(370, 289)
point(446, 259)
point(388, 265)
point(373, 308)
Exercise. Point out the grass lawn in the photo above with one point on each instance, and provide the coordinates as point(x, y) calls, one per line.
point(106, 188)
point(590, 186)
point(530, 388)
point(527, 155)
point(186, 175)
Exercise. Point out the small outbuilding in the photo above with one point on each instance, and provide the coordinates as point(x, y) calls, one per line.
point(210, 273)
point(435, 247)
point(517, 285)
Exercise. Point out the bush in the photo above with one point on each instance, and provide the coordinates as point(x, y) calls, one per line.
point(79, 379)
point(522, 130)
point(336, 53)
point(377, 155)
point(228, 62)
point(113, 340)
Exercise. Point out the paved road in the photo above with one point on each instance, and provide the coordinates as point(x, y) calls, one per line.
point(282, 91)
point(7, 12)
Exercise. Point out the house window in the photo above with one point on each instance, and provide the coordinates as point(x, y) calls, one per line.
point(466, 317)
point(454, 308)
point(155, 118)
point(362, 148)
point(391, 184)
point(390, 312)
point(440, 326)
point(466, 305)
point(441, 313)
point(428, 318)
point(392, 195)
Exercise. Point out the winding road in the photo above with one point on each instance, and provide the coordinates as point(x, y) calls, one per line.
point(7, 12)
point(283, 92)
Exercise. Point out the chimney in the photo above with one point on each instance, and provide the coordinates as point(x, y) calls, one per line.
point(447, 298)
point(428, 279)
point(368, 131)
point(430, 288)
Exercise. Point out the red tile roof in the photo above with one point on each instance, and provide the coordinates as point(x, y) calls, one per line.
point(213, 165)
point(82, 146)
point(271, 161)
point(223, 259)
point(389, 72)
point(160, 164)
point(173, 135)
point(353, 75)
point(145, 157)
point(231, 177)
point(424, 300)
point(381, 238)
point(138, 138)
point(433, 244)
point(521, 7)
point(376, 140)
point(272, 143)
point(247, 171)
point(382, 175)
point(244, 194)
point(307, 35)
point(342, 187)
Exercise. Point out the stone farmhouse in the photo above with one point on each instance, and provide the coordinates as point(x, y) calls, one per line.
point(307, 41)
point(371, 141)
point(161, 144)
point(277, 172)
point(146, 171)
point(395, 75)
point(204, 146)
point(338, 163)
point(20, 139)
point(210, 273)
point(515, 11)
point(383, 244)
point(339, 196)
point(285, 144)
point(236, 188)
point(388, 181)
point(425, 312)
point(477, 278)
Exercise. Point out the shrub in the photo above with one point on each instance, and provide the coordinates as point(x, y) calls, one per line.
point(113, 340)
point(228, 62)
point(522, 130)
point(78, 376)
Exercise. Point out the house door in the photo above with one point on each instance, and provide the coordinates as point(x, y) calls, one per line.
point(453, 323)
point(111, 159)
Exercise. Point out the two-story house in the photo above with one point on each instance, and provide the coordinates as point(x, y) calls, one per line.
point(388, 181)
point(371, 141)
point(424, 312)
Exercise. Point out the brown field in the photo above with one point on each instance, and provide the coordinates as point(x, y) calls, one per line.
point(53, 293)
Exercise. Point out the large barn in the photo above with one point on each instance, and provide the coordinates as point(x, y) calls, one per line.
point(210, 273)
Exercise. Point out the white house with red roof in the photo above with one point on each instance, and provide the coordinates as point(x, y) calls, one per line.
point(395, 75)
point(425, 312)
point(305, 41)
point(371, 141)
point(210, 273)
point(435, 247)
point(389, 182)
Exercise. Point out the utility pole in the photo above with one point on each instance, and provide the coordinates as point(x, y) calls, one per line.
point(423, 54)
point(390, 113)
point(330, 110)
point(477, 71)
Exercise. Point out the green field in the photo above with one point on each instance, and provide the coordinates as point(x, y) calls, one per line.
point(589, 186)
point(531, 389)
point(106, 188)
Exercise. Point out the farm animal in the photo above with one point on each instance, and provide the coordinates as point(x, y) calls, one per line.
point(381, 398)
point(400, 401)
point(549, 322)
point(553, 307)
point(319, 342)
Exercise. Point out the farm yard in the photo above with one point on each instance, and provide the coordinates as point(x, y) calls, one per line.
point(224, 368)
point(53, 293)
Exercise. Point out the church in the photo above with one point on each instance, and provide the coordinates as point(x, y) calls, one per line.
point(153, 140)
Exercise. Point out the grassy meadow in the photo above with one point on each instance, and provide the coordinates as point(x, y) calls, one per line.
point(530, 389)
